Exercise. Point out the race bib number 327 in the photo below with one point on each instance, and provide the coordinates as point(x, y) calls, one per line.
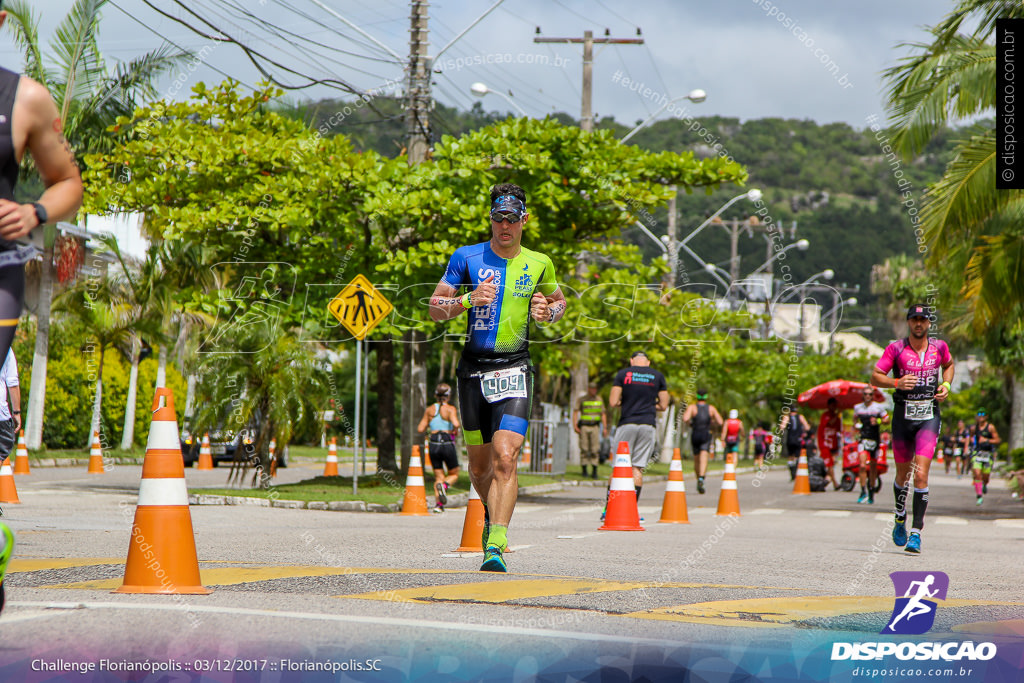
point(919, 410)
point(499, 385)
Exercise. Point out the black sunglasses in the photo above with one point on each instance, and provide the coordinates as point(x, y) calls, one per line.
point(510, 216)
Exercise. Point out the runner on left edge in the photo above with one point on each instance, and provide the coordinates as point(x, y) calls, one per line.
point(507, 285)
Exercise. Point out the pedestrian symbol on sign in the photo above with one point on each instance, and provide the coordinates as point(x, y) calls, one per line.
point(360, 307)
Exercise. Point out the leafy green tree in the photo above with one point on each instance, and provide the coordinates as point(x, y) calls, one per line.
point(975, 232)
point(89, 95)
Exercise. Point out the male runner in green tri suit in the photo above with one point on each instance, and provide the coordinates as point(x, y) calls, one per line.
point(508, 284)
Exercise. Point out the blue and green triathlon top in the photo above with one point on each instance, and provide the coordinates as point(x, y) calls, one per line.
point(498, 334)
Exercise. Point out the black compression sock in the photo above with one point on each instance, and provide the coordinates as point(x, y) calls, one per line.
point(638, 493)
point(920, 505)
point(901, 500)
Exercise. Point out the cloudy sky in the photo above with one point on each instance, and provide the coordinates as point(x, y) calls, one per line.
point(802, 59)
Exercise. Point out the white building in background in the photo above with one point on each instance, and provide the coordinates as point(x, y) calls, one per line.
point(126, 228)
point(796, 322)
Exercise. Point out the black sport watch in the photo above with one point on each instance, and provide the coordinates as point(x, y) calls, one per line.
point(41, 214)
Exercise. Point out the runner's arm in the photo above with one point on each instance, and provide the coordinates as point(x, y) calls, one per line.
point(453, 417)
point(54, 160)
point(548, 309)
point(994, 439)
point(615, 397)
point(942, 391)
point(662, 400)
point(427, 414)
point(15, 402)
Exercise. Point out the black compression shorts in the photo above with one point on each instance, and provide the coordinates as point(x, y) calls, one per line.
point(480, 419)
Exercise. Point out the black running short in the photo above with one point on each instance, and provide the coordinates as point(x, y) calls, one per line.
point(442, 452)
point(480, 419)
point(700, 441)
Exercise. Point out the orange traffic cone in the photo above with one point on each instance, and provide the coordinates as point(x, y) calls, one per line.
point(941, 460)
point(21, 459)
point(273, 458)
point(205, 457)
point(96, 455)
point(415, 502)
point(473, 527)
point(526, 454)
point(162, 553)
point(729, 498)
point(622, 513)
point(802, 483)
point(331, 466)
point(673, 510)
point(548, 461)
point(8, 492)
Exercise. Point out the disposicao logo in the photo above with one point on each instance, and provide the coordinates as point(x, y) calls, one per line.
point(914, 614)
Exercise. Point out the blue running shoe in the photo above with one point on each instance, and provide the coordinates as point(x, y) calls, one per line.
point(899, 532)
point(493, 561)
point(603, 511)
point(863, 497)
point(914, 544)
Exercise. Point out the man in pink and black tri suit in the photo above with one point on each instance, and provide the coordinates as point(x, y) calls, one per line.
point(916, 363)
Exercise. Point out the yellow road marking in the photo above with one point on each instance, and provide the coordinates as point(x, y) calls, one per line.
point(497, 591)
point(29, 564)
point(781, 612)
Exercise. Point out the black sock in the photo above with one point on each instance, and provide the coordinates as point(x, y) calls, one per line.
point(920, 505)
point(901, 501)
point(607, 494)
point(638, 493)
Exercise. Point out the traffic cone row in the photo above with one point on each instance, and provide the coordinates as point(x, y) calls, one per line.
point(802, 483)
point(729, 498)
point(622, 512)
point(205, 457)
point(473, 527)
point(548, 462)
point(415, 502)
point(673, 510)
point(162, 551)
point(525, 463)
point(96, 455)
point(331, 466)
point(21, 459)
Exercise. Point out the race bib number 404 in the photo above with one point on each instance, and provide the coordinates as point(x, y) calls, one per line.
point(919, 410)
point(499, 385)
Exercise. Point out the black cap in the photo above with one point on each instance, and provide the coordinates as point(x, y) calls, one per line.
point(638, 353)
point(919, 311)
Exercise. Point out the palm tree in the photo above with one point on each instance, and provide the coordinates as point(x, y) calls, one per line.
point(104, 309)
point(90, 96)
point(268, 380)
point(975, 232)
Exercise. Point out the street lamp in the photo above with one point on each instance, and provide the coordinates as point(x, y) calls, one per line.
point(479, 89)
point(694, 96)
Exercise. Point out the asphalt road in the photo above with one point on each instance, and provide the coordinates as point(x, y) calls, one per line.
point(765, 594)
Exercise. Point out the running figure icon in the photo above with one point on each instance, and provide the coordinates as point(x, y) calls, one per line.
point(916, 606)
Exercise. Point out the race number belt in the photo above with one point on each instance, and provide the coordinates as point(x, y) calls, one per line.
point(958, 452)
point(868, 444)
point(919, 410)
point(982, 456)
point(499, 385)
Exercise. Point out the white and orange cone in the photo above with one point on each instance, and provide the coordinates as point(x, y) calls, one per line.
point(525, 464)
point(729, 498)
point(96, 455)
point(473, 527)
point(622, 513)
point(162, 552)
point(415, 502)
point(548, 461)
point(331, 466)
point(673, 510)
point(205, 456)
point(802, 483)
point(21, 458)
point(8, 491)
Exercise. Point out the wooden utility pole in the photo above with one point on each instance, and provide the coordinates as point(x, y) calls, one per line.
point(581, 371)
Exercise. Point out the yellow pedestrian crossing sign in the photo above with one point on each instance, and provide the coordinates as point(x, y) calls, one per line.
point(360, 307)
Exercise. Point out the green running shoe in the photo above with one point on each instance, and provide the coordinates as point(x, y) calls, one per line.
point(5, 557)
point(493, 561)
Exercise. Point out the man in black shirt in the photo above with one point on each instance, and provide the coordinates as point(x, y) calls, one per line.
point(640, 391)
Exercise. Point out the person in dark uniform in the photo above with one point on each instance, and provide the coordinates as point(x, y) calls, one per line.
point(983, 439)
point(797, 428)
point(29, 122)
point(590, 420)
point(703, 418)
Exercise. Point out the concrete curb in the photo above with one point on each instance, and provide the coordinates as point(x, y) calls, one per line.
point(459, 500)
